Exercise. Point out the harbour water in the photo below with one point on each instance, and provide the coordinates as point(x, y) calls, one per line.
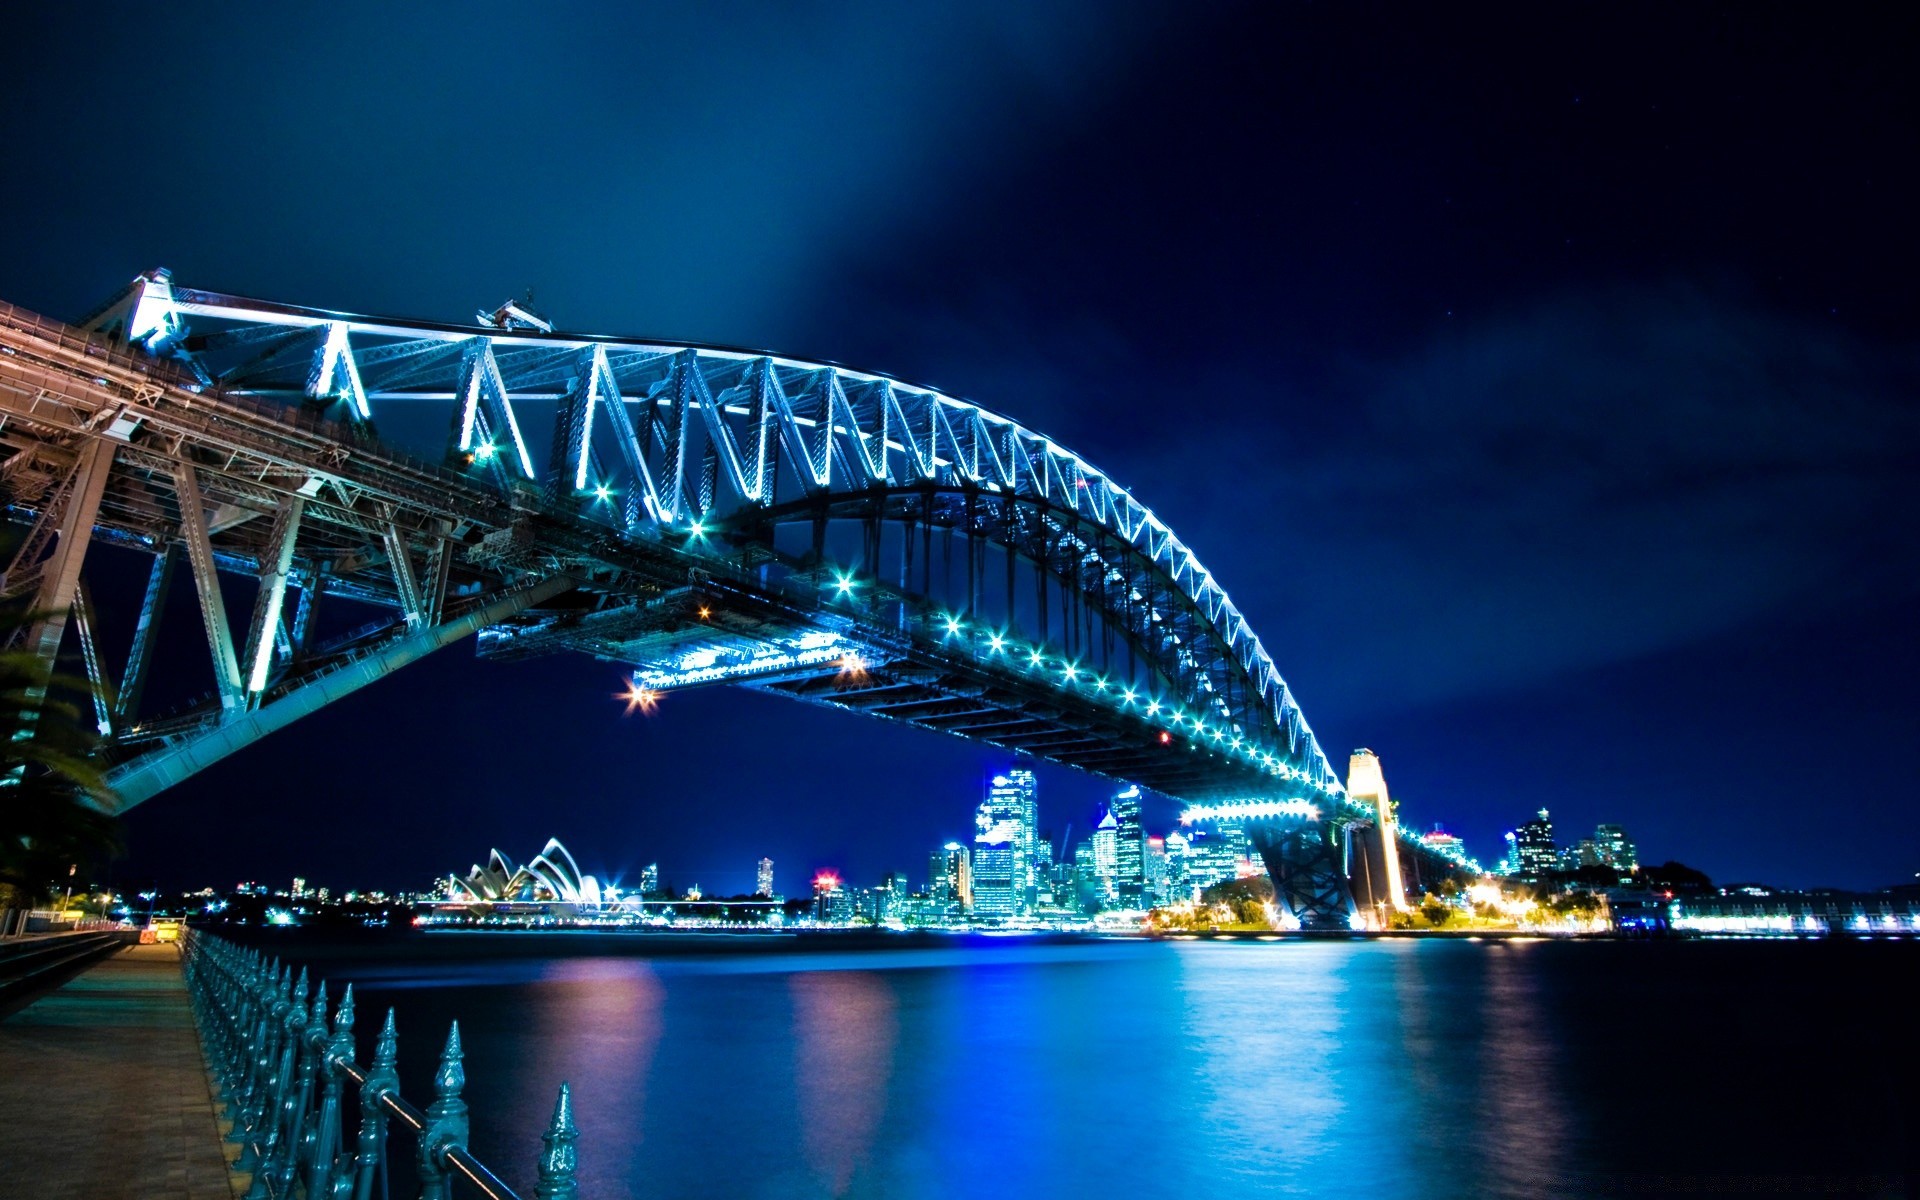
point(1124, 1068)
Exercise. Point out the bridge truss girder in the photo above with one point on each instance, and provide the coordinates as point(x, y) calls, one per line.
point(670, 467)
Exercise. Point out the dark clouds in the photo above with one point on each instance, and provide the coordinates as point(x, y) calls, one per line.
point(663, 169)
point(1594, 479)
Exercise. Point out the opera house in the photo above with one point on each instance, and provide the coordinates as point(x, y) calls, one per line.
point(552, 883)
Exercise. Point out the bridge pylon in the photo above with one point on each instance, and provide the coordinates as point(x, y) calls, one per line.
point(1373, 868)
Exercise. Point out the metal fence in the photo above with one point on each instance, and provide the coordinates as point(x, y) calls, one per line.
point(284, 1074)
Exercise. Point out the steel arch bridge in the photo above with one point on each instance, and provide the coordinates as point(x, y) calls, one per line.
point(703, 514)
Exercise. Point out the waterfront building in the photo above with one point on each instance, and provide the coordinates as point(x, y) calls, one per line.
point(1106, 836)
point(1442, 842)
point(1129, 850)
point(551, 878)
point(1006, 818)
point(1157, 892)
point(1584, 853)
point(1043, 875)
point(1219, 856)
point(1534, 854)
point(832, 903)
point(950, 878)
point(996, 890)
point(1617, 849)
point(1179, 848)
point(650, 879)
point(763, 879)
point(1509, 864)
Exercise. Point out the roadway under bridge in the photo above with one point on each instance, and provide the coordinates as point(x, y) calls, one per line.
point(705, 515)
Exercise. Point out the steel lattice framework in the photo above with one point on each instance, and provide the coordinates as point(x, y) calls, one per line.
point(690, 516)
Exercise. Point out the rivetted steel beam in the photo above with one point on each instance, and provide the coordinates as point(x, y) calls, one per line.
point(61, 574)
point(145, 777)
point(98, 685)
point(140, 657)
point(275, 565)
point(206, 581)
point(312, 583)
point(404, 582)
point(433, 599)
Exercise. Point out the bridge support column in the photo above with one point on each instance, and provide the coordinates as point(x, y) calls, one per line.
point(274, 568)
point(1309, 880)
point(405, 582)
point(206, 581)
point(99, 686)
point(60, 576)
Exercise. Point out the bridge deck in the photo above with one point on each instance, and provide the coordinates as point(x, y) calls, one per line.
point(103, 1092)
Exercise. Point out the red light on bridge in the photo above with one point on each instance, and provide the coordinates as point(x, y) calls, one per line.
point(1166, 738)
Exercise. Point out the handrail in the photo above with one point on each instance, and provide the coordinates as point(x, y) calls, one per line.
point(281, 1071)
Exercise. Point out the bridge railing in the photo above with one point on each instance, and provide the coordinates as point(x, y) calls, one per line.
point(284, 1075)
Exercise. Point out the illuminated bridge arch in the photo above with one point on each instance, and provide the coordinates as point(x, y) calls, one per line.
point(700, 514)
point(1079, 626)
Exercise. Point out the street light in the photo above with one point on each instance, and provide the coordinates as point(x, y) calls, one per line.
point(149, 898)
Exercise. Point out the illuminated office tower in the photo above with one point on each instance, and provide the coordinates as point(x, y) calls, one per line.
point(1533, 848)
point(832, 903)
point(1042, 872)
point(950, 878)
point(650, 879)
point(1158, 890)
point(995, 890)
point(1011, 800)
point(1215, 857)
point(763, 883)
point(1617, 849)
point(1106, 835)
point(1000, 867)
point(1129, 850)
point(1179, 849)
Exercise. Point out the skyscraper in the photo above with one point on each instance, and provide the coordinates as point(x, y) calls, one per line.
point(764, 880)
point(1616, 848)
point(1179, 867)
point(1011, 806)
point(1533, 847)
point(950, 878)
point(1105, 836)
point(650, 879)
point(995, 887)
point(1129, 850)
point(1158, 892)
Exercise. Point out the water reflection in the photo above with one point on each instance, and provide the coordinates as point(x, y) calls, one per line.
point(1522, 1114)
point(596, 1023)
point(1148, 1071)
point(1262, 1028)
point(844, 1034)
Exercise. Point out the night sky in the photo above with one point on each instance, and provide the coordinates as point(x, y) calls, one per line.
point(1540, 381)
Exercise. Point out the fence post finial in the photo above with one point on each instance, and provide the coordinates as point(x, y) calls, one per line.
point(557, 1156)
point(446, 1119)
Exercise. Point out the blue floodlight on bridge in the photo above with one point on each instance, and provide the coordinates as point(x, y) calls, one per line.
point(1077, 626)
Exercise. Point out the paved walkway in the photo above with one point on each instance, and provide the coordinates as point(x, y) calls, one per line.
point(103, 1093)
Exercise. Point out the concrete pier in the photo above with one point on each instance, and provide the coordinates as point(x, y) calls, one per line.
point(104, 1093)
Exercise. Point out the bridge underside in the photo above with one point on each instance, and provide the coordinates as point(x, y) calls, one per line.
point(714, 632)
